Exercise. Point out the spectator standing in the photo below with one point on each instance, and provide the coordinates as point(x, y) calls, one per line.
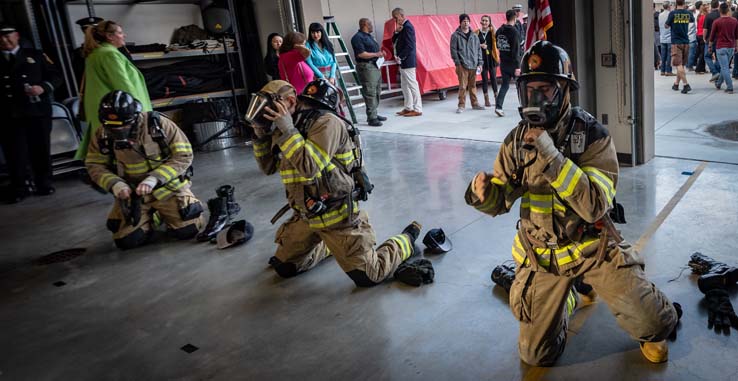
point(404, 43)
point(665, 40)
point(367, 52)
point(692, 33)
point(321, 59)
point(656, 40)
point(271, 59)
point(27, 79)
point(518, 8)
point(107, 69)
point(292, 65)
point(700, 61)
point(735, 54)
point(678, 22)
point(508, 45)
point(711, 62)
point(467, 57)
point(723, 36)
point(490, 58)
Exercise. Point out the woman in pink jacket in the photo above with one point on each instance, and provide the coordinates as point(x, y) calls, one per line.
point(292, 65)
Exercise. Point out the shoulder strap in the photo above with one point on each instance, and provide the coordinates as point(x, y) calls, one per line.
point(157, 133)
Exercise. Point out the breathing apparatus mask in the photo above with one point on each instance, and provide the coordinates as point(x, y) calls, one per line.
point(256, 110)
point(541, 100)
point(544, 85)
point(273, 92)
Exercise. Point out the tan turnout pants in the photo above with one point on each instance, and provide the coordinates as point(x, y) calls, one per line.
point(353, 248)
point(168, 211)
point(538, 301)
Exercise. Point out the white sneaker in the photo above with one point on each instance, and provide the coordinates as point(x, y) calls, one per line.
point(499, 112)
point(459, 110)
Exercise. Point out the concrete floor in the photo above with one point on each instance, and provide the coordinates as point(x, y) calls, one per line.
point(124, 316)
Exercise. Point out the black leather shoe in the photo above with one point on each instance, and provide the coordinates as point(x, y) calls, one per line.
point(44, 191)
point(375, 123)
point(381, 118)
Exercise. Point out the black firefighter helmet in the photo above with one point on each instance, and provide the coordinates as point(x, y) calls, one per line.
point(544, 62)
point(322, 94)
point(117, 112)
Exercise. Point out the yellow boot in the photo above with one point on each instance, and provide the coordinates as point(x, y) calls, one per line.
point(656, 352)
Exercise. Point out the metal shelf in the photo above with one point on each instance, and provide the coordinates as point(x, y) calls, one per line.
point(174, 101)
point(179, 54)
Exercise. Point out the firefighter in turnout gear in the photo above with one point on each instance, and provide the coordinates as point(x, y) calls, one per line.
point(143, 158)
point(318, 156)
point(563, 166)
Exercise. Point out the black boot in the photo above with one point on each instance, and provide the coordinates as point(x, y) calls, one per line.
point(503, 276)
point(218, 219)
point(714, 274)
point(413, 231)
point(227, 192)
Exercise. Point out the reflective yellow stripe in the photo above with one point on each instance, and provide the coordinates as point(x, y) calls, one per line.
point(169, 188)
point(321, 158)
point(136, 171)
point(96, 158)
point(345, 158)
point(167, 172)
point(291, 176)
point(331, 218)
point(563, 255)
point(181, 147)
point(261, 149)
point(567, 179)
point(404, 243)
point(106, 180)
point(603, 181)
point(497, 181)
point(558, 205)
point(540, 203)
point(571, 302)
point(292, 144)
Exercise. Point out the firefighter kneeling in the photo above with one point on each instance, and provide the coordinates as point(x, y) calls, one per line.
point(563, 166)
point(143, 159)
point(318, 156)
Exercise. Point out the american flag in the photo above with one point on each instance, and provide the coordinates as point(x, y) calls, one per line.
point(539, 21)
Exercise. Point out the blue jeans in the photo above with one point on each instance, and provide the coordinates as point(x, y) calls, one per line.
point(714, 66)
point(692, 54)
point(665, 58)
point(735, 65)
point(724, 55)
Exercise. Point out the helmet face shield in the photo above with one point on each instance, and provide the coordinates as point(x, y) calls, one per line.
point(256, 109)
point(541, 98)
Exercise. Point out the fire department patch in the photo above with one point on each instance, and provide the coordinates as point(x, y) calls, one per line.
point(312, 90)
point(112, 116)
point(534, 61)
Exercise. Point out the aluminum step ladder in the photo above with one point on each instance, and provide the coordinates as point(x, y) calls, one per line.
point(352, 88)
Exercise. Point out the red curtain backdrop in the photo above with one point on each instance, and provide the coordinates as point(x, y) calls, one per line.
point(435, 68)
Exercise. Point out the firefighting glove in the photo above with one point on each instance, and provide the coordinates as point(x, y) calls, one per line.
point(119, 188)
point(547, 150)
point(285, 125)
point(415, 272)
point(720, 313)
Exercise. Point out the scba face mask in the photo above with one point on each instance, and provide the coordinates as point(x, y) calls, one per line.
point(257, 107)
point(541, 100)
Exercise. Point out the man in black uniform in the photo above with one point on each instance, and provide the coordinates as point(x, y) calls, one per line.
point(27, 82)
